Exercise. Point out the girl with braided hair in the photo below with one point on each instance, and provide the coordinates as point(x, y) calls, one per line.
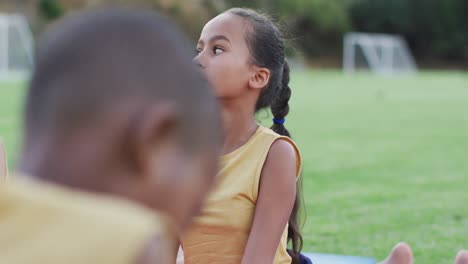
point(252, 213)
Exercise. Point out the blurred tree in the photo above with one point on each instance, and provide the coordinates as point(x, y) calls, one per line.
point(314, 26)
point(318, 25)
point(435, 29)
point(50, 9)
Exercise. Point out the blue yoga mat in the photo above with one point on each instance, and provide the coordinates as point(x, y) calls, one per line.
point(321, 258)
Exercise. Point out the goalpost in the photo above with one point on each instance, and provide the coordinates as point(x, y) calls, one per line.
point(16, 47)
point(380, 53)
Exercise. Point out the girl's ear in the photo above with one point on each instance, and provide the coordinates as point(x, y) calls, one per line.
point(260, 78)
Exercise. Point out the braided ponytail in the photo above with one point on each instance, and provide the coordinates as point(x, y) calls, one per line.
point(280, 105)
point(280, 109)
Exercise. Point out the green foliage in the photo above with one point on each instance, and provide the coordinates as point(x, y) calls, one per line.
point(316, 26)
point(50, 9)
point(434, 28)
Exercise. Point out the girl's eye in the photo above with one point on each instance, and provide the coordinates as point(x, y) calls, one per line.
point(198, 51)
point(217, 50)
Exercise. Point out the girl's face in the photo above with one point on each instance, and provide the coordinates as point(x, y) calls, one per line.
point(224, 56)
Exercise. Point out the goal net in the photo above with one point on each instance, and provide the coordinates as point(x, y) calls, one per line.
point(16, 45)
point(379, 53)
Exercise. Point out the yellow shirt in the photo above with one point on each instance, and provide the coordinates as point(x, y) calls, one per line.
point(44, 223)
point(220, 234)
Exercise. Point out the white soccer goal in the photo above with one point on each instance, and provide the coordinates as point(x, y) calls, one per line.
point(16, 47)
point(379, 53)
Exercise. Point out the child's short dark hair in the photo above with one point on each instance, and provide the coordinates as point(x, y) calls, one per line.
point(110, 58)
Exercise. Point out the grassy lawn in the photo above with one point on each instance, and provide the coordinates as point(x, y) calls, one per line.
point(11, 109)
point(385, 159)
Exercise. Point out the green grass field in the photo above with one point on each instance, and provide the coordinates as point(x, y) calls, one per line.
point(385, 159)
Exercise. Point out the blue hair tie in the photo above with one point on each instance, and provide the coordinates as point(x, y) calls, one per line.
point(279, 121)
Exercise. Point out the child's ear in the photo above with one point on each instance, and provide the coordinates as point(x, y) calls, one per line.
point(150, 135)
point(260, 78)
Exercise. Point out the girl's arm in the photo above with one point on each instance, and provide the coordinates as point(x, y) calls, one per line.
point(277, 192)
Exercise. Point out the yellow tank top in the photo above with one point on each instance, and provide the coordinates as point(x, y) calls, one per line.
point(220, 233)
point(43, 223)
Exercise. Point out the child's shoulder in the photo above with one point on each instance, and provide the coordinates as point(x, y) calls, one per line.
point(60, 219)
point(267, 132)
point(81, 209)
point(283, 145)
